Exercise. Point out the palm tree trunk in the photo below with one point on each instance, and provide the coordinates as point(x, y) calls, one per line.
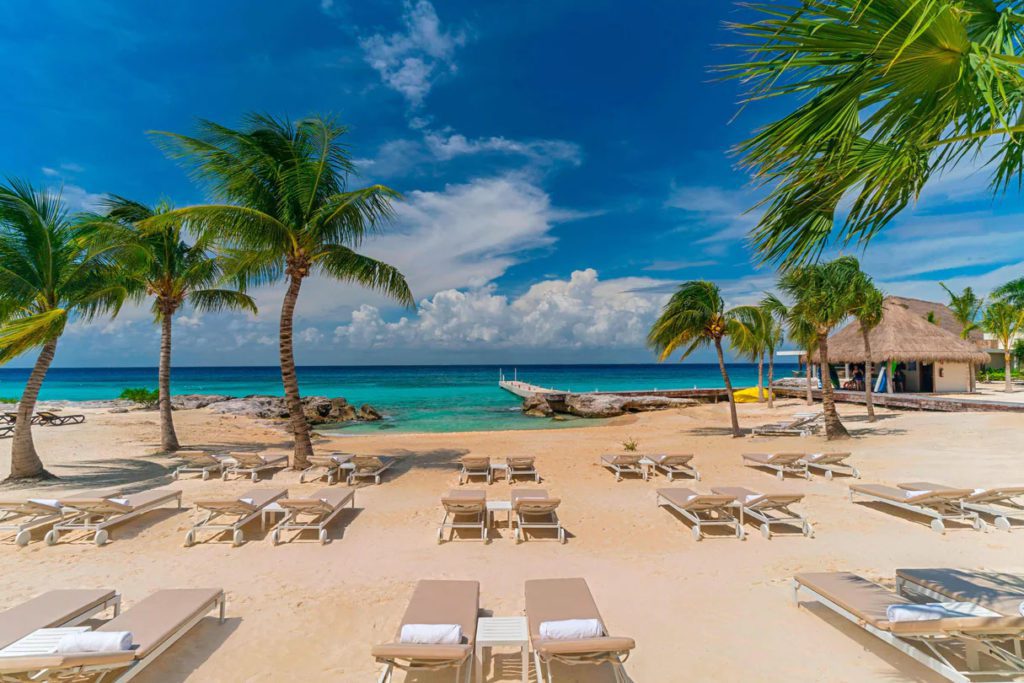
point(1008, 371)
point(867, 375)
point(810, 378)
point(834, 428)
point(771, 380)
point(299, 426)
point(25, 462)
point(168, 438)
point(728, 389)
point(760, 378)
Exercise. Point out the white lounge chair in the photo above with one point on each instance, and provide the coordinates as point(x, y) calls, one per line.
point(1003, 503)
point(203, 462)
point(369, 467)
point(224, 515)
point(95, 514)
point(463, 510)
point(326, 467)
point(830, 463)
point(802, 424)
point(535, 510)
point(674, 464)
point(768, 508)
point(251, 464)
point(20, 517)
point(474, 466)
point(624, 463)
point(521, 466)
point(313, 513)
point(942, 505)
point(781, 463)
point(703, 510)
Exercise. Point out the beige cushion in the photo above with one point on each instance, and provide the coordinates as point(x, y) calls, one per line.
point(156, 618)
point(49, 610)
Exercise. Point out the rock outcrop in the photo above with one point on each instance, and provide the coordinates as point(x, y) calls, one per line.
point(611, 405)
point(194, 401)
point(317, 409)
point(537, 406)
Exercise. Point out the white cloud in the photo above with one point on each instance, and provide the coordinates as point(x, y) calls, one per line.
point(409, 61)
point(445, 146)
point(719, 214)
point(581, 312)
point(311, 335)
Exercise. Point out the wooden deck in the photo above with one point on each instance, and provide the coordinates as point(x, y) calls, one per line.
point(932, 402)
point(526, 390)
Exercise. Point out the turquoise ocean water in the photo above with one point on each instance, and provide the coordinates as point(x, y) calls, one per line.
point(414, 398)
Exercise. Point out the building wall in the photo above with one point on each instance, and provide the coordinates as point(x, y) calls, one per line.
point(952, 377)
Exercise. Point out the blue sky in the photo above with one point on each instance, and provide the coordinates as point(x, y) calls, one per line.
point(563, 166)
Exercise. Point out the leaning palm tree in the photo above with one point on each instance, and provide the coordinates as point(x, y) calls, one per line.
point(1012, 291)
point(288, 212)
point(823, 295)
point(1003, 320)
point(695, 317)
point(174, 273)
point(49, 275)
point(879, 97)
point(799, 330)
point(868, 309)
point(966, 307)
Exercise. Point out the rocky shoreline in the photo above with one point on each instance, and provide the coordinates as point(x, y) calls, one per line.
point(599, 405)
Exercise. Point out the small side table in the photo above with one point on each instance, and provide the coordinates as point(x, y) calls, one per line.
point(40, 642)
point(648, 466)
point(502, 632)
point(499, 506)
point(499, 467)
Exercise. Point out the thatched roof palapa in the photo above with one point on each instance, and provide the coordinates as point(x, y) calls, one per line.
point(905, 335)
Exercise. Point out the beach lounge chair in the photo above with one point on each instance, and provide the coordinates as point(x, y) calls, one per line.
point(439, 603)
point(96, 514)
point(474, 466)
point(556, 600)
point(998, 591)
point(521, 466)
point(673, 465)
point(830, 464)
point(1001, 502)
point(768, 508)
point(624, 464)
point(781, 463)
point(942, 505)
point(312, 513)
point(369, 466)
point(802, 424)
point(20, 517)
point(8, 418)
point(12, 418)
point(231, 514)
point(6, 431)
point(47, 418)
point(951, 644)
point(54, 609)
point(463, 510)
point(202, 462)
point(535, 509)
point(244, 463)
point(155, 624)
point(703, 510)
point(325, 467)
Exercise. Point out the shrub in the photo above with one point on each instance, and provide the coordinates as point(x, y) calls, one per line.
point(9, 400)
point(630, 445)
point(146, 397)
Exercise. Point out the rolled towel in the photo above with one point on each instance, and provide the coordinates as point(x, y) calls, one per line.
point(49, 502)
point(431, 634)
point(571, 629)
point(94, 641)
point(119, 501)
point(936, 610)
point(1021, 609)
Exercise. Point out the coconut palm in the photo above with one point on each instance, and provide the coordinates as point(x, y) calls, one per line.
point(1003, 320)
point(49, 275)
point(174, 273)
point(823, 295)
point(695, 317)
point(752, 339)
point(868, 309)
point(966, 306)
point(1012, 291)
point(799, 330)
point(881, 96)
point(287, 213)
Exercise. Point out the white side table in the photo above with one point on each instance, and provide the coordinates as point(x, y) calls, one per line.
point(40, 642)
point(499, 467)
point(502, 632)
point(648, 466)
point(499, 506)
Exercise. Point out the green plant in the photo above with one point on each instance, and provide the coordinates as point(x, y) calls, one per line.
point(8, 399)
point(1018, 353)
point(630, 445)
point(146, 397)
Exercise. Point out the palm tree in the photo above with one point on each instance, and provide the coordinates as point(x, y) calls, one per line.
point(49, 274)
point(966, 306)
point(868, 308)
point(799, 330)
point(174, 273)
point(695, 317)
point(1012, 291)
point(753, 338)
point(823, 296)
point(288, 212)
point(1003, 320)
point(882, 95)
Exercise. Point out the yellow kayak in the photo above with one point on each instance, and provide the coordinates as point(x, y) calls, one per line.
point(747, 395)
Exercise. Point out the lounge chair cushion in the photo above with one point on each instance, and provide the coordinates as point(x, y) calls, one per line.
point(49, 610)
point(157, 617)
point(417, 652)
point(773, 458)
point(586, 646)
point(431, 634)
point(445, 602)
point(999, 592)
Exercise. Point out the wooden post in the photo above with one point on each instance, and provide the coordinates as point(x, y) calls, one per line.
point(890, 384)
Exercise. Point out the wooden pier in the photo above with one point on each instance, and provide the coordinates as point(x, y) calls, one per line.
point(930, 402)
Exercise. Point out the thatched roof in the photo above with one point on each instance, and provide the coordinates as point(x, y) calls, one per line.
point(906, 335)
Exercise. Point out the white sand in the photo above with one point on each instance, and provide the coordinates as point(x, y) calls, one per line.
point(718, 610)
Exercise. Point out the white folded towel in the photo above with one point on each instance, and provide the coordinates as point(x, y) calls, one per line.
point(51, 502)
point(937, 610)
point(1021, 609)
point(94, 641)
point(910, 494)
point(747, 500)
point(571, 629)
point(248, 501)
point(431, 634)
point(119, 501)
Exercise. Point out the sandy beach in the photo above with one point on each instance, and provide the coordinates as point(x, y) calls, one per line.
point(715, 610)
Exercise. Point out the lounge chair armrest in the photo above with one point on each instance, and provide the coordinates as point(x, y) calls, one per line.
point(421, 652)
point(585, 646)
point(66, 661)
